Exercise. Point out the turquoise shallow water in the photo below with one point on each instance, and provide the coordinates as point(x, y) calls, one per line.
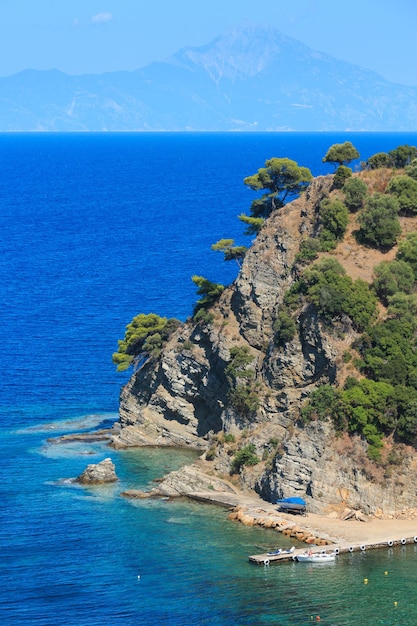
point(95, 229)
point(73, 555)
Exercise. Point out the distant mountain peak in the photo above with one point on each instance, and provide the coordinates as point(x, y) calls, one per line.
point(240, 52)
point(249, 78)
point(248, 50)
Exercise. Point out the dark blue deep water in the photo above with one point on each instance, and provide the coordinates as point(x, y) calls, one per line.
point(94, 229)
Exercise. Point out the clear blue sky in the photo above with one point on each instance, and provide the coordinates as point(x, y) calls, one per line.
point(96, 36)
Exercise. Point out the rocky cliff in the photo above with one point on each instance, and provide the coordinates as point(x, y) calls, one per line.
point(181, 398)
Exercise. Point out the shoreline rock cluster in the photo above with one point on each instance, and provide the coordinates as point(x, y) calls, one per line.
point(292, 530)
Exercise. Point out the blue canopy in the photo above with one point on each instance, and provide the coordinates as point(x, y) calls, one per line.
point(292, 501)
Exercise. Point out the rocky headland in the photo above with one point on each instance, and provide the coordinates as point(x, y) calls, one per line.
point(181, 398)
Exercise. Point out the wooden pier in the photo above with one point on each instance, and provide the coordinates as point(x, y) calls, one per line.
point(270, 559)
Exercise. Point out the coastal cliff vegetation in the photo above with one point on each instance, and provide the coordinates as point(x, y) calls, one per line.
point(320, 327)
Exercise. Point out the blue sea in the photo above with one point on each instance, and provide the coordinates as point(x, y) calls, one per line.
point(96, 228)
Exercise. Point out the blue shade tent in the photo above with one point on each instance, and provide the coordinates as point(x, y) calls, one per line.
point(291, 501)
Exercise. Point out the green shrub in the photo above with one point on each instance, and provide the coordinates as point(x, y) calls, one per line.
point(309, 249)
point(402, 156)
point(292, 297)
point(378, 160)
point(411, 169)
point(388, 351)
point(341, 153)
point(355, 191)
point(404, 189)
point(407, 251)
point(203, 317)
point(144, 337)
point(341, 175)
point(391, 277)
point(284, 328)
point(245, 456)
point(379, 223)
point(321, 405)
point(244, 399)
point(209, 292)
point(334, 293)
point(334, 218)
point(240, 359)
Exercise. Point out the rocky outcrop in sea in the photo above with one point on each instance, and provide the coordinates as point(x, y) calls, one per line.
point(98, 473)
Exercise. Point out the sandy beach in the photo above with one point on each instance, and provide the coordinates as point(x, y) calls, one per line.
point(354, 531)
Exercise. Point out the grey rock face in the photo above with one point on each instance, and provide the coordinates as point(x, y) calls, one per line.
point(182, 398)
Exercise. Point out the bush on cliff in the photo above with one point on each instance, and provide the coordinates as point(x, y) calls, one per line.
point(407, 251)
point(404, 188)
point(242, 396)
point(402, 156)
point(245, 456)
point(284, 328)
point(341, 175)
point(334, 293)
point(378, 160)
point(144, 337)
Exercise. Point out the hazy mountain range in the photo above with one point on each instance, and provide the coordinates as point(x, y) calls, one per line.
point(248, 79)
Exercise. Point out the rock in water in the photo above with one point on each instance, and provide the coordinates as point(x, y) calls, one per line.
point(97, 473)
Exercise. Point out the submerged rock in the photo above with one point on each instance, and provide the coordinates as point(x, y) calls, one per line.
point(98, 473)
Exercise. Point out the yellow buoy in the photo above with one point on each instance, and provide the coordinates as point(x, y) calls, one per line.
point(395, 603)
point(386, 573)
point(365, 581)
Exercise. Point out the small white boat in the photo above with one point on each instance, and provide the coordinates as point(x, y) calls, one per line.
point(280, 551)
point(316, 557)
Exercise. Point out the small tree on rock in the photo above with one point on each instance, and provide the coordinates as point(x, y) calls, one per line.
point(341, 153)
point(281, 180)
point(230, 251)
point(208, 291)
